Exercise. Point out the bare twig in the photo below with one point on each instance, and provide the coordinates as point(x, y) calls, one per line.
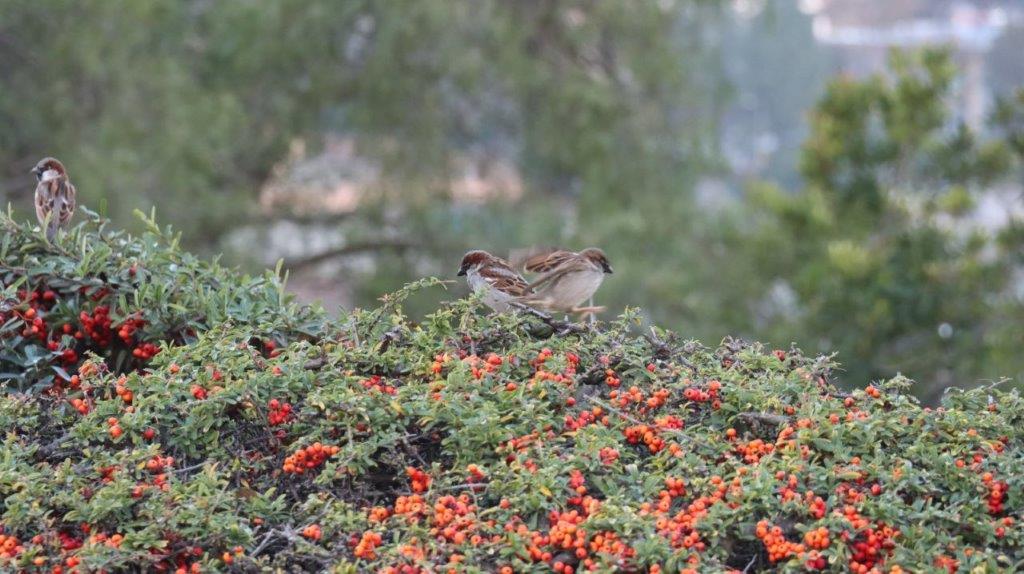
point(764, 418)
point(315, 364)
point(263, 543)
point(351, 249)
point(190, 468)
point(474, 487)
point(47, 450)
point(560, 327)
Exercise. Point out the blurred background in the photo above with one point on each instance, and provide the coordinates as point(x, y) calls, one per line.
point(845, 175)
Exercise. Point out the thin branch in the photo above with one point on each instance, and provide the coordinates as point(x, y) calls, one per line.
point(560, 327)
point(189, 468)
point(315, 364)
point(47, 450)
point(477, 487)
point(345, 250)
point(764, 418)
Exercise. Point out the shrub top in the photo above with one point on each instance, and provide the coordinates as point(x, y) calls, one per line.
point(200, 421)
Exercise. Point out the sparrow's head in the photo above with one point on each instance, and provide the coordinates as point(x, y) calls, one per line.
point(48, 164)
point(597, 257)
point(474, 259)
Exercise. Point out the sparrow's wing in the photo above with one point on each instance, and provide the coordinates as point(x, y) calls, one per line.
point(64, 203)
point(503, 278)
point(556, 266)
point(55, 204)
point(544, 262)
point(43, 201)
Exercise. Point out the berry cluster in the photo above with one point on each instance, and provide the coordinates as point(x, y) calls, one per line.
point(376, 383)
point(114, 429)
point(98, 325)
point(585, 418)
point(9, 546)
point(753, 451)
point(279, 413)
point(42, 320)
point(312, 532)
point(367, 545)
point(419, 481)
point(608, 455)
point(122, 391)
point(158, 464)
point(648, 435)
point(308, 458)
point(775, 542)
point(80, 405)
point(996, 494)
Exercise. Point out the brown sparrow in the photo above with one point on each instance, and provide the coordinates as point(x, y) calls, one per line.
point(55, 196)
point(567, 279)
point(495, 278)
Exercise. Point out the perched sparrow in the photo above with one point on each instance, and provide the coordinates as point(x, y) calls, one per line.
point(567, 279)
point(55, 196)
point(497, 280)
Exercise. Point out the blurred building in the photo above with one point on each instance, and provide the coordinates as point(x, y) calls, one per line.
point(336, 179)
point(862, 32)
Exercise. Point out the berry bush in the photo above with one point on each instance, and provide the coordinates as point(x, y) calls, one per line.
point(165, 414)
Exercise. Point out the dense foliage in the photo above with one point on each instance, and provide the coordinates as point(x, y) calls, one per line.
point(262, 436)
point(119, 298)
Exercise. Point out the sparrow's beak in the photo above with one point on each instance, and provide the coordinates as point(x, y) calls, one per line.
point(462, 271)
point(607, 269)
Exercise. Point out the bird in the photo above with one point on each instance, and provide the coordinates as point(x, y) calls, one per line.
point(567, 279)
point(494, 277)
point(55, 196)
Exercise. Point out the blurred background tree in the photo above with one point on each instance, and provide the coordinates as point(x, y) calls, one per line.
point(699, 142)
point(883, 249)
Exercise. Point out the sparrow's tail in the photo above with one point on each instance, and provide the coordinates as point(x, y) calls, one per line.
point(51, 228)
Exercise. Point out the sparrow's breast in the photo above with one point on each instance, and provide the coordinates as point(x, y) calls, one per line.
point(493, 298)
point(476, 282)
point(573, 289)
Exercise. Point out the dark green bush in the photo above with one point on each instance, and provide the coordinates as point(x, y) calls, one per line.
point(463, 442)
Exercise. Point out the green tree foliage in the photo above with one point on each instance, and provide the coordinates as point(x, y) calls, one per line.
point(189, 104)
point(482, 443)
point(888, 261)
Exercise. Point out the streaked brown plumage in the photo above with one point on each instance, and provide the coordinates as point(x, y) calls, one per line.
point(567, 279)
point(55, 196)
point(495, 278)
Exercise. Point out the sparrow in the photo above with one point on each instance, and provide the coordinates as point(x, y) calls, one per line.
point(495, 278)
point(567, 279)
point(55, 196)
